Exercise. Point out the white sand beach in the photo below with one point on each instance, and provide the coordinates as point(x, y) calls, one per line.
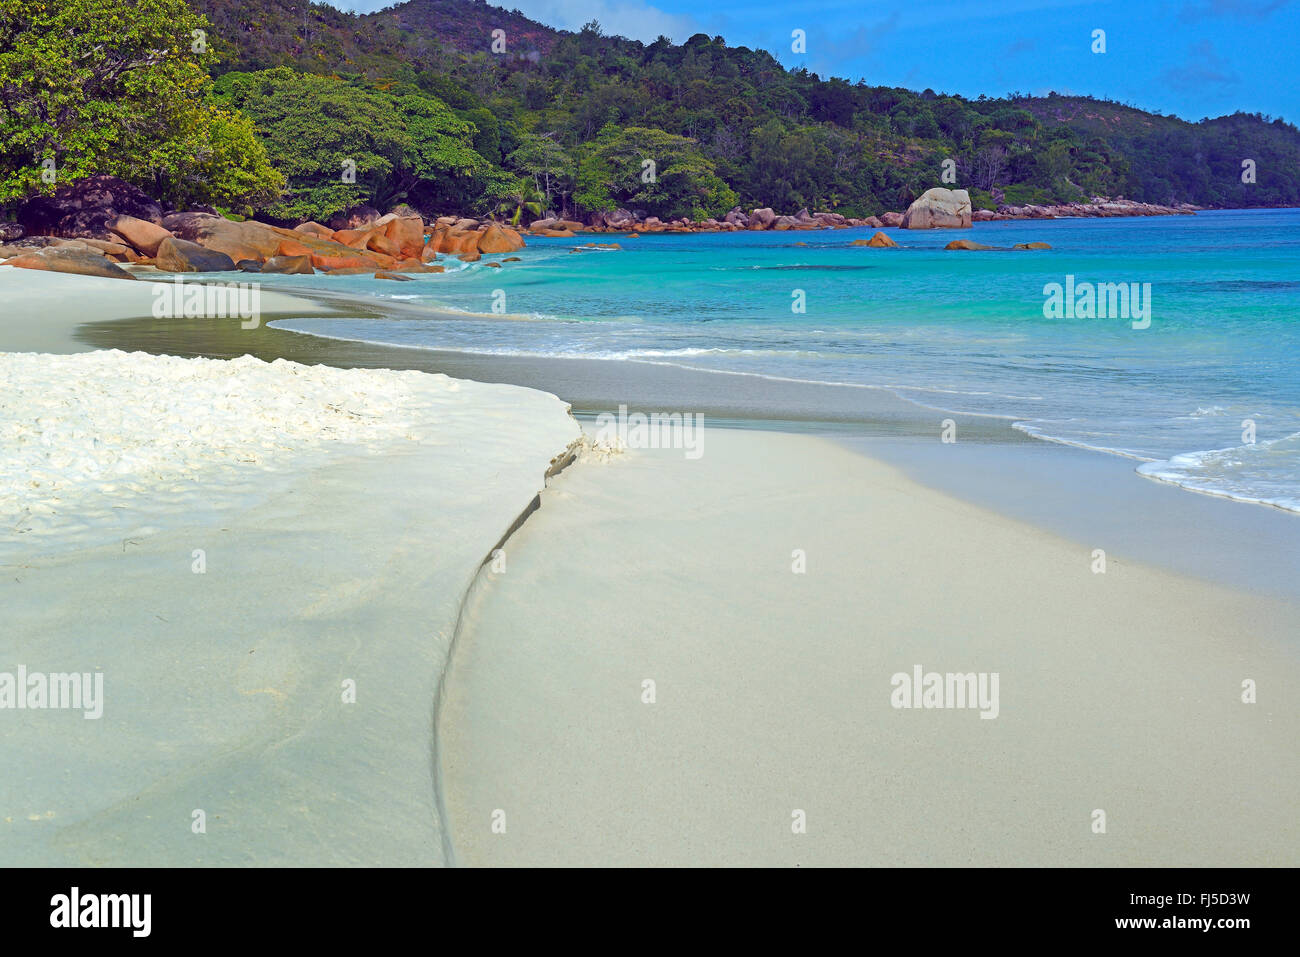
point(1118, 691)
point(265, 563)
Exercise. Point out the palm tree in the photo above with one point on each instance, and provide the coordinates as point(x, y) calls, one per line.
point(525, 198)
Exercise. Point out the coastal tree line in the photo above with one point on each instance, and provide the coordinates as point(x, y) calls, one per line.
point(295, 111)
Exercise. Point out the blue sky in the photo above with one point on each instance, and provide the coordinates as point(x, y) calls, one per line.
point(1194, 59)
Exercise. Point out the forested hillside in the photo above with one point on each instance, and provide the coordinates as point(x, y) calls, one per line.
point(416, 100)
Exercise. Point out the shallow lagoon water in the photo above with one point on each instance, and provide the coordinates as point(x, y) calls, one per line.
point(960, 332)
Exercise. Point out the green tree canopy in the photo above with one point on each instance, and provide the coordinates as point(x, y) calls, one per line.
point(88, 87)
point(341, 142)
point(546, 163)
point(682, 181)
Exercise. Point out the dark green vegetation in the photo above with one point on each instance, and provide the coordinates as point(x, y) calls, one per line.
point(85, 89)
point(415, 100)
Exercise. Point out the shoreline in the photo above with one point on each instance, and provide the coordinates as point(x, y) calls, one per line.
point(873, 421)
point(868, 487)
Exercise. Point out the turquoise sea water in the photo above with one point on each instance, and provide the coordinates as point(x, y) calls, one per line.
point(955, 331)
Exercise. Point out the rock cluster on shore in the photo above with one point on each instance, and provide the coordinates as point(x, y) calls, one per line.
point(765, 218)
point(1099, 207)
point(937, 208)
point(96, 224)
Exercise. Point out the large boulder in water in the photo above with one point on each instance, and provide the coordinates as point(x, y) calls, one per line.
point(499, 239)
point(84, 208)
point(939, 208)
point(454, 241)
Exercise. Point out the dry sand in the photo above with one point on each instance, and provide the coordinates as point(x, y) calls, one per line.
point(1119, 691)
